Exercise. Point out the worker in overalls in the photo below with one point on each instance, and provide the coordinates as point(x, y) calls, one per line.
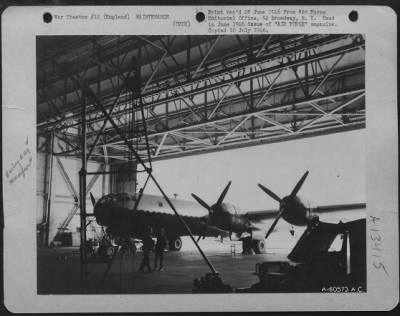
point(159, 249)
point(148, 245)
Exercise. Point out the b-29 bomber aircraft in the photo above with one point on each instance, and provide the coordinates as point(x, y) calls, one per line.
point(122, 217)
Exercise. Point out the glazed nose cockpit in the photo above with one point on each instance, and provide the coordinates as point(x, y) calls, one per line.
point(112, 207)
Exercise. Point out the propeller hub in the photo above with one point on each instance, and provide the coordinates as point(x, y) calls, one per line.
point(216, 213)
point(290, 207)
point(294, 211)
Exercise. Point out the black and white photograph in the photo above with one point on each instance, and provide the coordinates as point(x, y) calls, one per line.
point(201, 164)
point(200, 158)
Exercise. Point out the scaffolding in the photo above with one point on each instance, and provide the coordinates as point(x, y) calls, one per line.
point(134, 85)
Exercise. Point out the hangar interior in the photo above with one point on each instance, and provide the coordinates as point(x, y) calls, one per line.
point(172, 96)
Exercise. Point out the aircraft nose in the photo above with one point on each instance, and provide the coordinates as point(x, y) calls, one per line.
point(101, 213)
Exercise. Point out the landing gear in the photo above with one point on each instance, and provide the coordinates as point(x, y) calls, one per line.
point(128, 248)
point(175, 243)
point(247, 246)
point(250, 245)
point(106, 251)
point(258, 246)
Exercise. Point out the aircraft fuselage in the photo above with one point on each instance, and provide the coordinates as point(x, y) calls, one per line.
point(117, 213)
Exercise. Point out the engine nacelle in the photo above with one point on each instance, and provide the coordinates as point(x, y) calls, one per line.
point(295, 212)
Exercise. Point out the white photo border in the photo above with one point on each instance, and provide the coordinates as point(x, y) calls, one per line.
point(21, 25)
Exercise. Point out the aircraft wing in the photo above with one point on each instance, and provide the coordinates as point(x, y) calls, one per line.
point(171, 223)
point(338, 208)
point(199, 227)
point(215, 231)
point(258, 216)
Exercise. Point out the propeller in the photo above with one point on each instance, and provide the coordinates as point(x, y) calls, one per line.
point(210, 208)
point(219, 201)
point(223, 194)
point(270, 193)
point(201, 202)
point(282, 204)
point(270, 230)
point(299, 185)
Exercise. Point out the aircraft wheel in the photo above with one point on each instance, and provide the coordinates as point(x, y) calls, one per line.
point(110, 251)
point(259, 246)
point(175, 244)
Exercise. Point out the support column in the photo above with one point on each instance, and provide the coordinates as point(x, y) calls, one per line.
point(49, 184)
point(82, 199)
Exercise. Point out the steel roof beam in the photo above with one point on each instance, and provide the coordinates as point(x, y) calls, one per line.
point(277, 89)
point(246, 63)
point(275, 69)
point(257, 111)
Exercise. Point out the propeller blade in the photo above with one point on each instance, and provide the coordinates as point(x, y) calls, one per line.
point(201, 202)
point(270, 193)
point(93, 199)
point(274, 224)
point(222, 196)
point(299, 185)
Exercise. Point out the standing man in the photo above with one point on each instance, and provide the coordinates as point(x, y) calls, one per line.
point(148, 244)
point(159, 250)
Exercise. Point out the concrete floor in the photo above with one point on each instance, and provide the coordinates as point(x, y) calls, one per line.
point(59, 270)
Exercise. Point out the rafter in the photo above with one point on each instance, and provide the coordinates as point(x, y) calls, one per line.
point(284, 87)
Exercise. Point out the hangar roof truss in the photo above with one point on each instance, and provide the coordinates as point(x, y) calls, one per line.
point(199, 93)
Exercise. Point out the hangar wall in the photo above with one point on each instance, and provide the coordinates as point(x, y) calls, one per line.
point(63, 198)
point(40, 187)
point(336, 163)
